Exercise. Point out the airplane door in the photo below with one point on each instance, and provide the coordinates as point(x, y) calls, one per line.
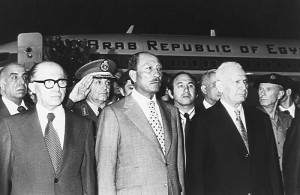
point(30, 49)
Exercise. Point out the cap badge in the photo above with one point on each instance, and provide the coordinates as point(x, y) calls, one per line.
point(273, 77)
point(104, 66)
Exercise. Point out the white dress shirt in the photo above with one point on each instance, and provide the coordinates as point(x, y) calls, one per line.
point(58, 122)
point(183, 119)
point(206, 104)
point(143, 102)
point(11, 106)
point(291, 109)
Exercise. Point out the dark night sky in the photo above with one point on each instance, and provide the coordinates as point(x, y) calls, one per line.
point(230, 18)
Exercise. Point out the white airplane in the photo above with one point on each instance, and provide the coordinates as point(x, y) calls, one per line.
point(194, 54)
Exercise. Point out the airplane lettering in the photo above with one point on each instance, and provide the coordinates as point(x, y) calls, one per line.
point(132, 46)
point(93, 43)
point(119, 45)
point(175, 46)
point(254, 49)
point(152, 44)
point(106, 45)
point(281, 50)
point(226, 48)
point(199, 48)
point(187, 49)
point(293, 50)
point(244, 49)
point(209, 49)
point(164, 46)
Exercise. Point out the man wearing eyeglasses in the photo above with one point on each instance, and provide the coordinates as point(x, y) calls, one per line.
point(48, 149)
point(92, 92)
point(13, 89)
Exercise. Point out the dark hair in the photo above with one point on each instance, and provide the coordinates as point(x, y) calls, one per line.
point(166, 79)
point(123, 79)
point(171, 84)
point(134, 59)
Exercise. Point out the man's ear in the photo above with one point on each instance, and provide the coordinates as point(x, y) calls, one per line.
point(132, 74)
point(2, 84)
point(203, 89)
point(280, 94)
point(122, 91)
point(170, 94)
point(220, 86)
point(31, 86)
point(288, 92)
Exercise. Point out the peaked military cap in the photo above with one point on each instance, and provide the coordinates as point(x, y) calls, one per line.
point(102, 68)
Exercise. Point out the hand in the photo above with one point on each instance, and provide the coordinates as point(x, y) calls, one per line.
point(81, 89)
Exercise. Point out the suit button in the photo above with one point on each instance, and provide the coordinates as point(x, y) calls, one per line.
point(167, 164)
point(247, 155)
point(55, 180)
point(166, 185)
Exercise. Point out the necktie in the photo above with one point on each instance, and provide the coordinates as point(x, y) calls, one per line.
point(241, 128)
point(156, 126)
point(21, 109)
point(187, 125)
point(53, 143)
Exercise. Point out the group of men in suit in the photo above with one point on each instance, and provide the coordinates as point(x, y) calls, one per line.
point(50, 150)
point(143, 145)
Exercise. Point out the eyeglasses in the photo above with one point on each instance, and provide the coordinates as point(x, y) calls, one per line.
point(49, 83)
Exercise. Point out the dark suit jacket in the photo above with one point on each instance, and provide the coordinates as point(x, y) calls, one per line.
point(3, 109)
point(129, 156)
point(26, 164)
point(291, 158)
point(219, 163)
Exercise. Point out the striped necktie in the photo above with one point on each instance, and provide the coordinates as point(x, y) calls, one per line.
point(53, 143)
point(241, 128)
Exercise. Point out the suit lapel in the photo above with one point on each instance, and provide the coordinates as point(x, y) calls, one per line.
point(71, 136)
point(166, 118)
point(137, 116)
point(3, 109)
point(230, 130)
point(32, 128)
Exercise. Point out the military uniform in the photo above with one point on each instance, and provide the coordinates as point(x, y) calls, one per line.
point(102, 68)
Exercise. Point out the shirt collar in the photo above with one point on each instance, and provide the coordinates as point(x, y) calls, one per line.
point(191, 112)
point(93, 107)
point(141, 98)
point(206, 104)
point(291, 109)
point(11, 106)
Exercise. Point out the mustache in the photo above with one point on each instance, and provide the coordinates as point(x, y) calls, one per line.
point(155, 80)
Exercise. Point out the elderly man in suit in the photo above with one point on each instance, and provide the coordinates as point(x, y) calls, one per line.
point(48, 149)
point(139, 142)
point(13, 85)
point(233, 149)
point(209, 90)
